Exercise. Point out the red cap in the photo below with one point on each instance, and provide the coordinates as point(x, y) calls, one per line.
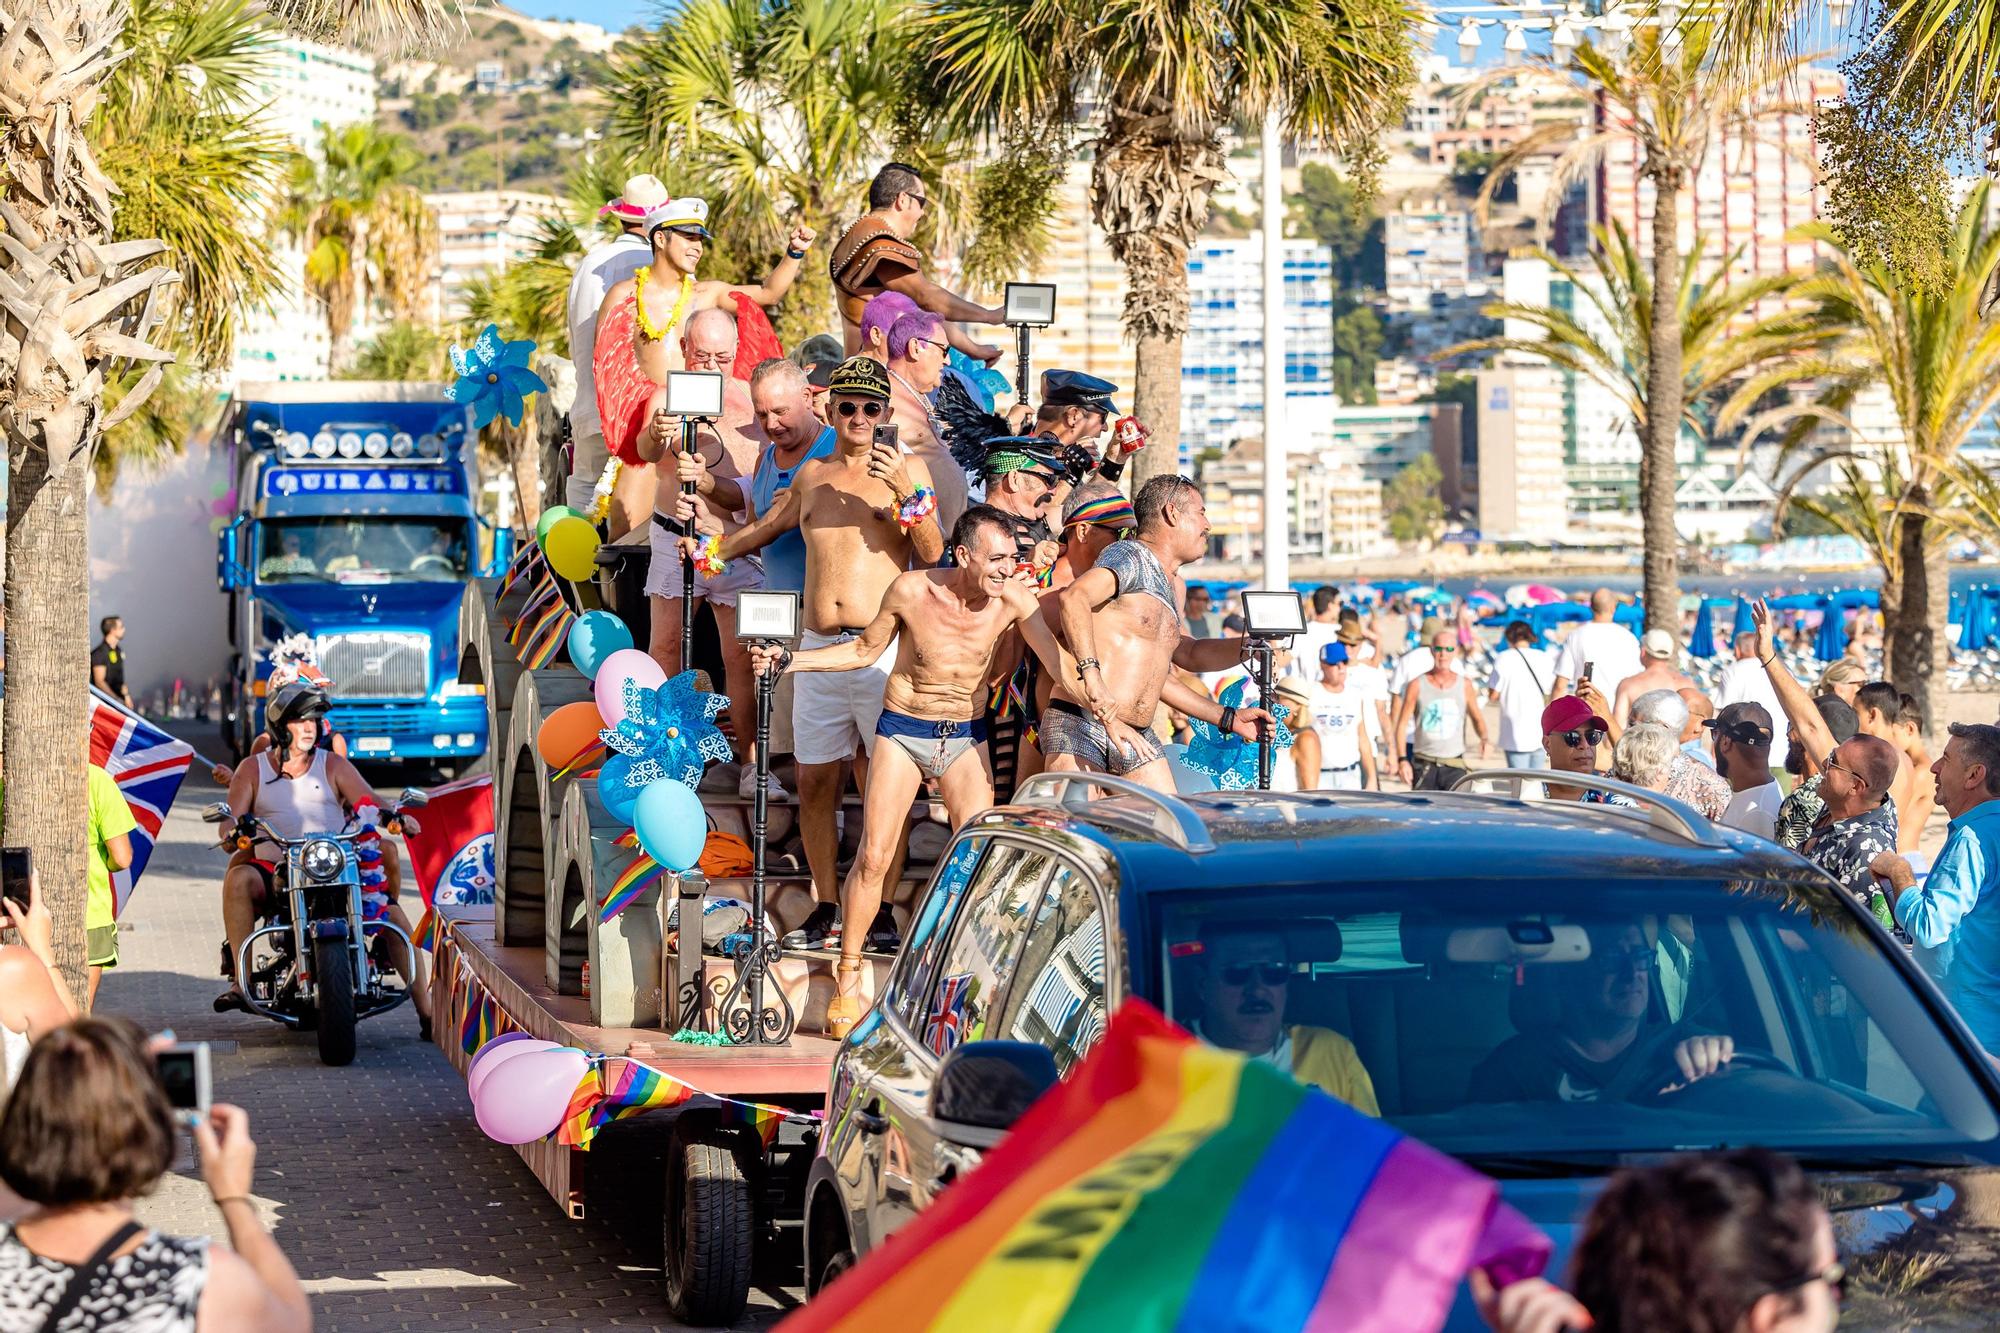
point(1567, 714)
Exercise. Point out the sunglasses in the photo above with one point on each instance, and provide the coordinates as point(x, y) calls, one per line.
point(1445, 649)
point(1271, 975)
point(1832, 763)
point(871, 408)
point(1624, 960)
point(1834, 1275)
point(927, 342)
point(1592, 736)
point(923, 201)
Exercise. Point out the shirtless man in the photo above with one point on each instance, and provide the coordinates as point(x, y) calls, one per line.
point(1121, 626)
point(725, 457)
point(947, 625)
point(874, 255)
point(639, 327)
point(878, 317)
point(1656, 672)
point(867, 514)
point(916, 349)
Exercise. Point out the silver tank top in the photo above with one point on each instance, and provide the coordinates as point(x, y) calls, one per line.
point(1440, 719)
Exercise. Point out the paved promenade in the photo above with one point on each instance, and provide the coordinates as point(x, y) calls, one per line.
point(396, 1211)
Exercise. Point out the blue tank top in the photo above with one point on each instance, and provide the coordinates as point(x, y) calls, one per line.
point(785, 557)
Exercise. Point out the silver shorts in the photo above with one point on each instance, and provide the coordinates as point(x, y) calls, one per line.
point(1067, 729)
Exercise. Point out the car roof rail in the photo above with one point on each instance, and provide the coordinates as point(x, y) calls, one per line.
point(1181, 825)
point(1663, 812)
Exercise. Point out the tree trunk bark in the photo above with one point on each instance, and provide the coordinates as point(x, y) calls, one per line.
point(1659, 472)
point(1157, 402)
point(1916, 647)
point(43, 727)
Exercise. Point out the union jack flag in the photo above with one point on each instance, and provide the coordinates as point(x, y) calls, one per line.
point(946, 1026)
point(148, 765)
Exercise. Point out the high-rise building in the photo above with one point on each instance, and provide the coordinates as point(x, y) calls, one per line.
point(1334, 510)
point(1089, 332)
point(306, 89)
point(1522, 490)
point(1222, 358)
point(482, 230)
point(1428, 256)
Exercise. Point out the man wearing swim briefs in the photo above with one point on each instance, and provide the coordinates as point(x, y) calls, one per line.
point(946, 625)
point(1121, 622)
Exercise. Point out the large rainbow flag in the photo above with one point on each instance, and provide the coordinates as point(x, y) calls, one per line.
point(1170, 1185)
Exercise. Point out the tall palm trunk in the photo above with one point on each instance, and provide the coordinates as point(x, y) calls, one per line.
point(1915, 637)
point(1659, 470)
point(72, 307)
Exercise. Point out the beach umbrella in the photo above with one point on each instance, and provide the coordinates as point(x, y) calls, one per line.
point(1701, 643)
point(1542, 593)
point(1744, 624)
point(1831, 641)
point(1482, 597)
point(1975, 629)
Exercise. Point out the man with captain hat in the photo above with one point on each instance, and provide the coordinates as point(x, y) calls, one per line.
point(1077, 407)
point(605, 265)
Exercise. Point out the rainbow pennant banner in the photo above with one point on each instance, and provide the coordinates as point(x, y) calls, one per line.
point(548, 636)
point(1170, 1185)
point(526, 557)
point(642, 873)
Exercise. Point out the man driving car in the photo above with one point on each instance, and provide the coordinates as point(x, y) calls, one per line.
point(1242, 981)
point(1603, 1005)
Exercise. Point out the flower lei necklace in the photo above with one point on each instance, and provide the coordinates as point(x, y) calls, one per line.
point(648, 330)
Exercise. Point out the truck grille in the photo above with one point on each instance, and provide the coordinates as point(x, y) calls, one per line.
point(376, 665)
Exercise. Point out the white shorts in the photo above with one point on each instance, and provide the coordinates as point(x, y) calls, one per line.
point(834, 712)
point(1341, 779)
point(664, 577)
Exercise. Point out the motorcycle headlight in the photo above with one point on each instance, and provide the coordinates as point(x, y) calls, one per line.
point(322, 860)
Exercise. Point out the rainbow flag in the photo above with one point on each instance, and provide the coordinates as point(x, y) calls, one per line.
point(643, 872)
point(599, 1100)
point(548, 637)
point(477, 1028)
point(1170, 1185)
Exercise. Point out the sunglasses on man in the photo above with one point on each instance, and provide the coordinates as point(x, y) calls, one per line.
point(1591, 736)
point(870, 407)
point(1270, 975)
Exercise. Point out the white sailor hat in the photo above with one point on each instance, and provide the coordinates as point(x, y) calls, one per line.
point(686, 214)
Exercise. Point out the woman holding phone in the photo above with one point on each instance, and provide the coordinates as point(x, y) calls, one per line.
point(34, 999)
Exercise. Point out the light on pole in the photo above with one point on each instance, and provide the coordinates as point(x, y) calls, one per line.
point(1277, 516)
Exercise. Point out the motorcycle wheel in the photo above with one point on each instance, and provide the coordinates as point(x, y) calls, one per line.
point(333, 985)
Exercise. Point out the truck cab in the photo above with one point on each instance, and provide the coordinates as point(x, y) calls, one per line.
point(356, 527)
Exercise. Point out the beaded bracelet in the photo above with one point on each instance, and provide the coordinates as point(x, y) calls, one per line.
point(920, 506)
point(708, 559)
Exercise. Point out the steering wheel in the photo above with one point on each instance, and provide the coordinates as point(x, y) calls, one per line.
point(1652, 1067)
point(432, 558)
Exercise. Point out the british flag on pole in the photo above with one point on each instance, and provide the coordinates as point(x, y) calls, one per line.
point(148, 765)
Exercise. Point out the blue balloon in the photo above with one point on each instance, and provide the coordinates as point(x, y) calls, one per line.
point(618, 795)
point(595, 636)
point(669, 821)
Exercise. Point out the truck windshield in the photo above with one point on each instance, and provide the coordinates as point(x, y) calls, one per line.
point(344, 549)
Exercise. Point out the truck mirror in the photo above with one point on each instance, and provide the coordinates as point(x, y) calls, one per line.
point(503, 552)
point(229, 571)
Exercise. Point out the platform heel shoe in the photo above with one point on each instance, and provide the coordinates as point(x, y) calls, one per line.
point(846, 1007)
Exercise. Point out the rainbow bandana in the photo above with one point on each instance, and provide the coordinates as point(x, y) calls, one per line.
point(1166, 1184)
point(1106, 511)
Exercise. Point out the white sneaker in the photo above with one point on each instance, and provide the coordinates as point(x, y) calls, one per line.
point(746, 786)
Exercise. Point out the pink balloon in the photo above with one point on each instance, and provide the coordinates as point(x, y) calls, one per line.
point(525, 1097)
point(609, 687)
point(496, 1053)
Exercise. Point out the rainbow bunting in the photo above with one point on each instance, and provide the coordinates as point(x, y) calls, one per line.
point(1167, 1184)
point(591, 753)
point(547, 638)
point(477, 1028)
point(537, 600)
point(524, 559)
point(599, 1100)
point(629, 838)
point(638, 876)
point(425, 936)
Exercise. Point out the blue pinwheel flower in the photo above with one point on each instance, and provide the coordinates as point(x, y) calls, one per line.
point(493, 377)
point(980, 379)
point(667, 732)
point(1223, 757)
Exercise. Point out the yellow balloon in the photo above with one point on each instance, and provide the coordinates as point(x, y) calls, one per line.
point(571, 546)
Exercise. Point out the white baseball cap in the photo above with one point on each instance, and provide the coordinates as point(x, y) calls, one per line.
point(1657, 643)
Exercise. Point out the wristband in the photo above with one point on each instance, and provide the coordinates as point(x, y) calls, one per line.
point(232, 1198)
point(920, 506)
point(707, 557)
point(1766, 661)
point(795, 254)
point(1086, 664)
point(1228, 722)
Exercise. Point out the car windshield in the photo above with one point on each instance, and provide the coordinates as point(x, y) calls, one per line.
point(344, 549)
point(1542, 1028)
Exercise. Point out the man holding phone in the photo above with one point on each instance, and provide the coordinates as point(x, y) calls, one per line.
point(867, 514)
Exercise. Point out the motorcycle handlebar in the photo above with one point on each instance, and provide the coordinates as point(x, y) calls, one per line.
point(250, 830)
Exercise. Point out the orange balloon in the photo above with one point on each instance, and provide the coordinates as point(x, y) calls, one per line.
point(567, 732)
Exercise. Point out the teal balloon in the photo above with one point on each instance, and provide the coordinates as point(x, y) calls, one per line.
point(615, 790)
point(595, 636)
point(669, 821)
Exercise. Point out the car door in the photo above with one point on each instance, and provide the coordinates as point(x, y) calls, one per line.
point(954, 996)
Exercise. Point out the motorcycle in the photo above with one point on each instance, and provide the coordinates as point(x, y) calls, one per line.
point(313, 963)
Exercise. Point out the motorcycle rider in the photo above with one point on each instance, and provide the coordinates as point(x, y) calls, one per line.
point(295, 787)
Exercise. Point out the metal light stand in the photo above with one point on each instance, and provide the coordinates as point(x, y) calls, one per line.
point(1022, 377)
point(1264, 650)
point(688, 426)
point(745, 1018)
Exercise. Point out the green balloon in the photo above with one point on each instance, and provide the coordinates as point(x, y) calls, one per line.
point(549, 518)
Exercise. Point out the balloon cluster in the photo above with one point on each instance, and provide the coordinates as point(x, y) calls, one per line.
point(521, 1085)
point(569, 541)
point(657, 734)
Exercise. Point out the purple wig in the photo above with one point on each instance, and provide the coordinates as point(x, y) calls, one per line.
point(917, 325)
point(883, 311)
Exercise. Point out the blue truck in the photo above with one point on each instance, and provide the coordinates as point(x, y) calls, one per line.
point(355, 531)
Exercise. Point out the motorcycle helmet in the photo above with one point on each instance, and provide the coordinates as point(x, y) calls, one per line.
point(294, 701)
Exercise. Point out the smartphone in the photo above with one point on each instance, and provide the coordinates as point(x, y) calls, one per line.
point(1586, 674)
point(183, 1072)
point(17, 866)
point(887, 434)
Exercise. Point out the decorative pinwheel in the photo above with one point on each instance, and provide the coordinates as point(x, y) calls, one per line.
point(1224, 757)
point(983, 380)
point(493, 377)
point(667, 732)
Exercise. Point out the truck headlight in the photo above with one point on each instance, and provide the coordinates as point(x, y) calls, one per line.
point(401, 445)
point(323, 444)
point(375, 444)
point(322, 860)
point(350, 444)
point(297, 445)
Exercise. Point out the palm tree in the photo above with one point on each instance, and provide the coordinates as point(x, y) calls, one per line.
point(1722, 337)
point(529, 298)
point(1161, 80)
point(1675, 96)
point(77, 307)
point(370, 238)
point(1936, 353)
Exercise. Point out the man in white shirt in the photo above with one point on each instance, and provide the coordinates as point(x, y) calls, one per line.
point(1322, 628)
point(1522, 674)
point(1743, 755)
point(1364, 675)
point(1608, 648)
point(1745, 681)
point(603, 267)
point(1344, 719)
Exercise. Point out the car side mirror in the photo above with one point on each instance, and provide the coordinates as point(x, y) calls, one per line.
point(410, 798)
point(215, 812)
point(983, 1087)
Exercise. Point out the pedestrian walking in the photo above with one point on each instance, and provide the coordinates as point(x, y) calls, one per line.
point(107, 661)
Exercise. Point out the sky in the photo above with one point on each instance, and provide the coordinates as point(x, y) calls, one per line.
point(614, 14)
